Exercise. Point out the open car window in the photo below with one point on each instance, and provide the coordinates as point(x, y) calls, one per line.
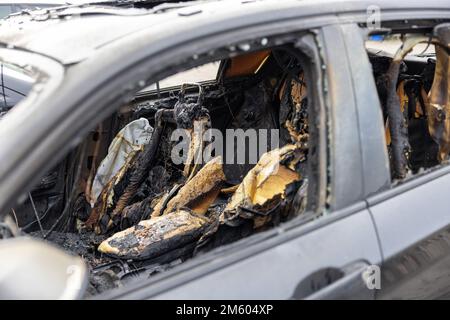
point(411, 75)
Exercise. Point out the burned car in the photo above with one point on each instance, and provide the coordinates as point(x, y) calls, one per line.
point(300, 163)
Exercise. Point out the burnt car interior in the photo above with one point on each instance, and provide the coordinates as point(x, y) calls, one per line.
point(122, 203)
point(413, 91)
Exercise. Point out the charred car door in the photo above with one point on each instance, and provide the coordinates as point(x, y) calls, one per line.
point(327, 258)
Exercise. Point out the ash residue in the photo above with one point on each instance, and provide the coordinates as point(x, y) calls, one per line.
point(83, 244)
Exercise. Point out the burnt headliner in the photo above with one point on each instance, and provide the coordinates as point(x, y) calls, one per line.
point(73, 33)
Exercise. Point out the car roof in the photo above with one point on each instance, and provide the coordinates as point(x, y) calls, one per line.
point(72, 33)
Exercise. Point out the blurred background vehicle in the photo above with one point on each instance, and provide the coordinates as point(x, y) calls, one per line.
point(8, 7)
point(14, 85)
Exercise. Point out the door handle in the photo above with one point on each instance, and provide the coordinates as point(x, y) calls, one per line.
point(335, 283)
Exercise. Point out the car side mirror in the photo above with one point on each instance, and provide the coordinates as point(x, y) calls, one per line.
point(34, 269)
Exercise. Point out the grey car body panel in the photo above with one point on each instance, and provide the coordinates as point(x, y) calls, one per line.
point(59, 122)
point(401, 225)
point(344, 138)
point(414, 231)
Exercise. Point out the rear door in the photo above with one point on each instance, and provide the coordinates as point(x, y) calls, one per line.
point(413, 223)
point(413, 219)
